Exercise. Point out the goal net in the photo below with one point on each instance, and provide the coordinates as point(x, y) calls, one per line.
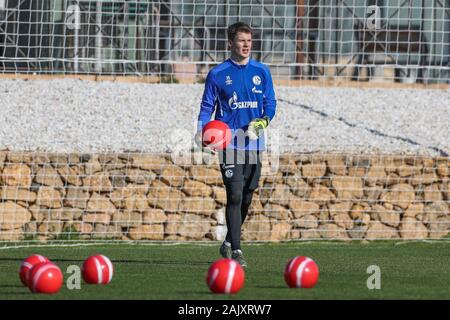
point(110, 161)
point(180, 40)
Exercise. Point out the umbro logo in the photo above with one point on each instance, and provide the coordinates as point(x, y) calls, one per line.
point(228, 81)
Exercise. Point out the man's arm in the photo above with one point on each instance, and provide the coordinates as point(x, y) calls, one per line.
point(257, 126)
point(269, 100)
point(207, 108)
point(207, 105)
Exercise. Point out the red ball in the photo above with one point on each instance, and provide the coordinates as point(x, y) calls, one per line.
point(225, 276)
point(301, 272)
point(28, 264)
point(97, 269)
point(45, 277)
point(216, 135)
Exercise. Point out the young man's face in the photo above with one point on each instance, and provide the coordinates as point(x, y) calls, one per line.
point(241, 46)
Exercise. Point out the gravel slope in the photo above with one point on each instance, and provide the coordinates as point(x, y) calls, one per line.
point(72, 115)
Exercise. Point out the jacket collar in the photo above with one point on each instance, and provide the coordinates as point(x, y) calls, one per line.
point(239, 66)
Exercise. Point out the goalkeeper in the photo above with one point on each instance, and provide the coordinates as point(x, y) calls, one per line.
point(240, 92)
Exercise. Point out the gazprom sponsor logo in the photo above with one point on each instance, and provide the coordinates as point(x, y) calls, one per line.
point(233, 100)
point(234, 104)
point(244, 105)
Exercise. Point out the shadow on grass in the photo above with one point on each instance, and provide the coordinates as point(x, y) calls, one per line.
point(80, 261)
point(7, 259)
point(11, 259)
point(12, 293)
point(166, 262)
point(191, 293)
point(156, 262)
point(271, 287)
point(5, 290)
point(11, 286)
point(149, 262)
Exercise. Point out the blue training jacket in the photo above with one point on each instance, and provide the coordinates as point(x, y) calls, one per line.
point(238, 94)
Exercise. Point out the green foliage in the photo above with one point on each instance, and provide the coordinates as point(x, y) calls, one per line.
point(201, 79)
point(169, 79)
point(30, 237)
point(68, 233)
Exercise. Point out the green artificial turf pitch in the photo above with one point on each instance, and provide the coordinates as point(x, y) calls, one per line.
point(409, 270)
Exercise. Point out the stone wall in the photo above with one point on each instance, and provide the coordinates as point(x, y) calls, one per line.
point(134, 196)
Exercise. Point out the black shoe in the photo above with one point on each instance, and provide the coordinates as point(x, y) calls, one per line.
point(239, 257)
point(225, 251)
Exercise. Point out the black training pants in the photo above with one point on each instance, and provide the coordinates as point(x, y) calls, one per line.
point(241, 170)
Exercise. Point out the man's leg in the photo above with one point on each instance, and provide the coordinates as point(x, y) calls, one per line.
point(233, 213)
point(232, 243)
point(233, 179)
point(252, 174)
point(247, 197)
